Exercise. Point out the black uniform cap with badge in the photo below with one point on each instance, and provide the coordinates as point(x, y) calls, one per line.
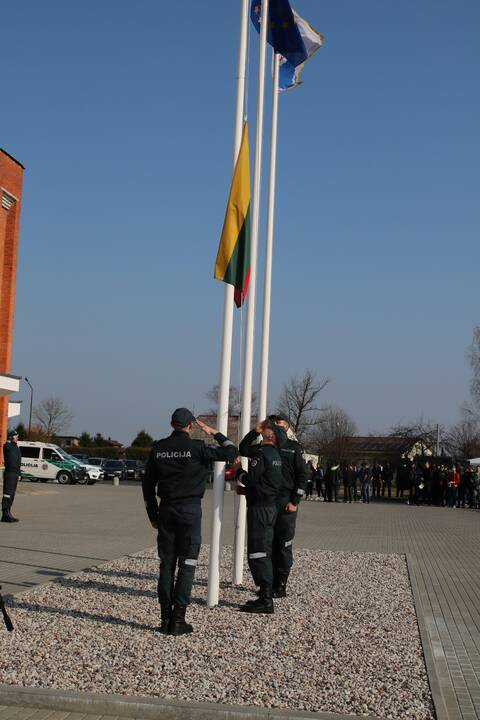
point(182, 417)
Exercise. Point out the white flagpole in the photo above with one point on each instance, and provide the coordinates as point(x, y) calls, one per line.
point(246, 411)
point(226, 351)
point(267, 291)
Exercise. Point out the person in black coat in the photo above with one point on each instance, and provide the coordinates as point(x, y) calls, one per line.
point(177, 471)
point(12, 458)
point(263, 486)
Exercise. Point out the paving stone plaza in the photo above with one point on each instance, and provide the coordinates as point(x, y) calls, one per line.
point(64, 530)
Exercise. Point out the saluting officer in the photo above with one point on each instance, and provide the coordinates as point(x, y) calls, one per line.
point(11, 475)
point(177, 470)
point(294, 486)
point(262, 486)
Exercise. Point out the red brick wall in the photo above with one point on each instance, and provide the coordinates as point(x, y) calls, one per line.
point(11, 176)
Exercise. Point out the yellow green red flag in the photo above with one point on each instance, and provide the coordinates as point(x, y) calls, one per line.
point(232, 265)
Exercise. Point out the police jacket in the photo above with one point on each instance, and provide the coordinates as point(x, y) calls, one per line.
point(177, 469)
point(264, 479)
point(294, 468)
point(12, 457)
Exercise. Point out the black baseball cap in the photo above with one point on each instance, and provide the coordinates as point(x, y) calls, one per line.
point(12, 433)
point(278, 416)
point(182, 417)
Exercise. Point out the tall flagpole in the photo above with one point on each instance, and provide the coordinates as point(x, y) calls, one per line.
point(226, 351)
point(267, 291)
point(246, 411)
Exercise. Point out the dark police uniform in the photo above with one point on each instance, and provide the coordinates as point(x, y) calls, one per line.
point(263, 482)
point(294, 486)
point(177, 471)
point(12, 458)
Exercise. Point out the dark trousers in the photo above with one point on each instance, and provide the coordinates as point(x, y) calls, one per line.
point(261, 522)
point(179, 539)
point(283, 536)
point(353, 489)
point(365, 491)
point(452, 493)
point(387, 485)
point(10, 481)
point(347, 492)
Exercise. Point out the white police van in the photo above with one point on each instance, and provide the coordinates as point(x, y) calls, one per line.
point(44, 461)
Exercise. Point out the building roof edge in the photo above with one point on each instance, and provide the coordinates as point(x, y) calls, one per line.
point(12, 158)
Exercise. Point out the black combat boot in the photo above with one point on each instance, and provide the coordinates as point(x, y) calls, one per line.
point(166, 617)
point(280, 585)
point(7, 516)
point(177, 625)
point(263, 605)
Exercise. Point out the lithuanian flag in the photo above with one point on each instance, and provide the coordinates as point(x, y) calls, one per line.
point(233, 258)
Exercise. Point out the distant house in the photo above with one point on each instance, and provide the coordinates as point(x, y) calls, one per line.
point(67, 441)
point(392, 449)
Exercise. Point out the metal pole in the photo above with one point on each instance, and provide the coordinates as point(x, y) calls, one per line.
point(31, 404)
point(226, 351)
point(267, 290)
point(246, 412)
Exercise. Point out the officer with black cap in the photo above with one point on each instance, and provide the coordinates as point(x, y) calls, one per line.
point(262, 486)
point(294, 487)
point(13, 459)
point(177, 471)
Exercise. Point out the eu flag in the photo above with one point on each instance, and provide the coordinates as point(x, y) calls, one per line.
point(283, 34)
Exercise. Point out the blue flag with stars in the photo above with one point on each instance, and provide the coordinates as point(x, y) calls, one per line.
point(283, 34)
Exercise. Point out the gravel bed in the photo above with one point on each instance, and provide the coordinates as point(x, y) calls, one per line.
point(345, 640)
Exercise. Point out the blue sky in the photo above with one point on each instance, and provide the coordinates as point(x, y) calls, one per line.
point(123, 117)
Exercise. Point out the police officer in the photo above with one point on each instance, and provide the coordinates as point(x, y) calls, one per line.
point(294, 486)
point(262, 485)
point(11, 475)
point(177, 470)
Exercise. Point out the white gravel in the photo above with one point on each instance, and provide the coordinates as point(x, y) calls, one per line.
point(345, 640)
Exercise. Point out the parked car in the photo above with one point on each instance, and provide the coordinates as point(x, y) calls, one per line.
point(82, 458)
point(45, 461)
point(135, 469)
point(114, 468)
point(98, 462)
point(94, 472)
point(230, 472)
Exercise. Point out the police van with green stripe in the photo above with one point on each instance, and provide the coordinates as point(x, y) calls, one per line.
point(44, 461)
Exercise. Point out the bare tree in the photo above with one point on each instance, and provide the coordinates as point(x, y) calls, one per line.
point(463, 439)
point(52, 416)
point(298, 402)
point(425, 431)
point(473, 355)
point(332, 430)
point(234, 400)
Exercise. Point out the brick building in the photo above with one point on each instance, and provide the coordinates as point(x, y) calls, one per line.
point(11, 177)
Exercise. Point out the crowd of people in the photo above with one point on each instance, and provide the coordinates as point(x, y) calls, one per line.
point(419, 482)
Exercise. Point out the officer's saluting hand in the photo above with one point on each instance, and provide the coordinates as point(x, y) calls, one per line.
point(177, 472)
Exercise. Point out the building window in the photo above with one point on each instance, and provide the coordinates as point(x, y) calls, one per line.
point(8, 201)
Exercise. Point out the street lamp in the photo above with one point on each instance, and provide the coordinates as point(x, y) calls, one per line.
point(31, 403)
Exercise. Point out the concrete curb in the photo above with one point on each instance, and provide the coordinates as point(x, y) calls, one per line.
point(149, 708)
point(440, 682)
